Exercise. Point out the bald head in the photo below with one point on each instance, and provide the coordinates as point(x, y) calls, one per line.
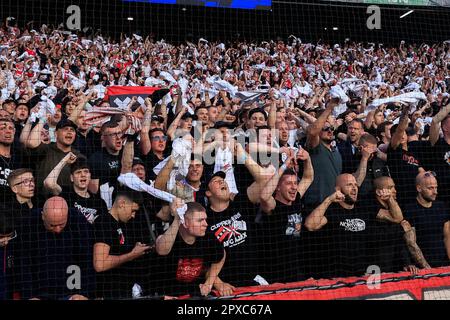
point(427, 186)
point(383, 183)
point(55, 214)
point(346, 183)
point(343, 179)
point(425, 177)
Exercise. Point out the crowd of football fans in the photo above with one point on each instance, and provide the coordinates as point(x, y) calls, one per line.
point(245, 164)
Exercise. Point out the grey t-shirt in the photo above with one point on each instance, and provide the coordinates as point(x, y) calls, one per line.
point(327, 166)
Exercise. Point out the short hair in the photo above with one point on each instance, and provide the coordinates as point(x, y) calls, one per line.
point(130, 195)
point(155, 130)
point(358, 121)
point(202, 106)
point(289, 172)
point(16, 173)
point(80, 163)
point(194, 207)
point(393, 129)
point(109, 124)
point(7, 120)
point(367, 137)
point(379, 182)
point(382, 127)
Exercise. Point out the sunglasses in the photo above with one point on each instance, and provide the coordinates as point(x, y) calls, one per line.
point(430, 174)
point(329, 129)
point(161, 138)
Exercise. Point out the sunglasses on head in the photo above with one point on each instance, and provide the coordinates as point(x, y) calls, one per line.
point(430, 174)
point(330, 129)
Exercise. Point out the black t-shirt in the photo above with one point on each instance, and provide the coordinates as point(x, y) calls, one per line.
point(345, 237)
point(106, 167)
point(117, 282)
point(386, 245)
point(90, 208)
point(279, 242)
point(47, 257)
point(234, 229)
point(151, 161)
point(440, 156)
point(7, 165)
point(88, 144)
point(429, 224)
point(403, 166)
point(187, 265)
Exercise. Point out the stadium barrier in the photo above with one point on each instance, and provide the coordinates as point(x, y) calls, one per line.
point(432, 284)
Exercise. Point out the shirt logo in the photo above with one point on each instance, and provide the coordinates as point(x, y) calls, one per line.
point(231, 232)
point(353, 225)
point(294, 226)
point(189, 269)
point(121, 236)
point(447, 157)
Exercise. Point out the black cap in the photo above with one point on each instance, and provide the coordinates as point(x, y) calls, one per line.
point(157, 118)
point(223, 124)
point(9, 101)
point(66, 123)
point(137, 160)
point(257, 110)
point(187, 115)
point(217, 174)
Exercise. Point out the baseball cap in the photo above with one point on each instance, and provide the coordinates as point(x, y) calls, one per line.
point(66, 123)
point(213, 175)
point(158, 118)
point(187, 115)
point(137, 160)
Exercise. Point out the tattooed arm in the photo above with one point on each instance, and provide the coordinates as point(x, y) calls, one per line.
point(415, 251)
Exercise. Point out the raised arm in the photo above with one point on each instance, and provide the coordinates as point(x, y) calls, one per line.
point(164, 174)
point(207, 99)
point(80, 106)
point(436, 124)
point(402, 125)
point(174, 125)
point(268, 203)
point(51, 182)
point(128, 155)
point(361, 172)
point(145, 144)
point(308, 172)
point(272, 119)
point(164, 242)
point(33, 138)
point(179, 105)
point(313, 131)
point(227, 107)
point(316, 219)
